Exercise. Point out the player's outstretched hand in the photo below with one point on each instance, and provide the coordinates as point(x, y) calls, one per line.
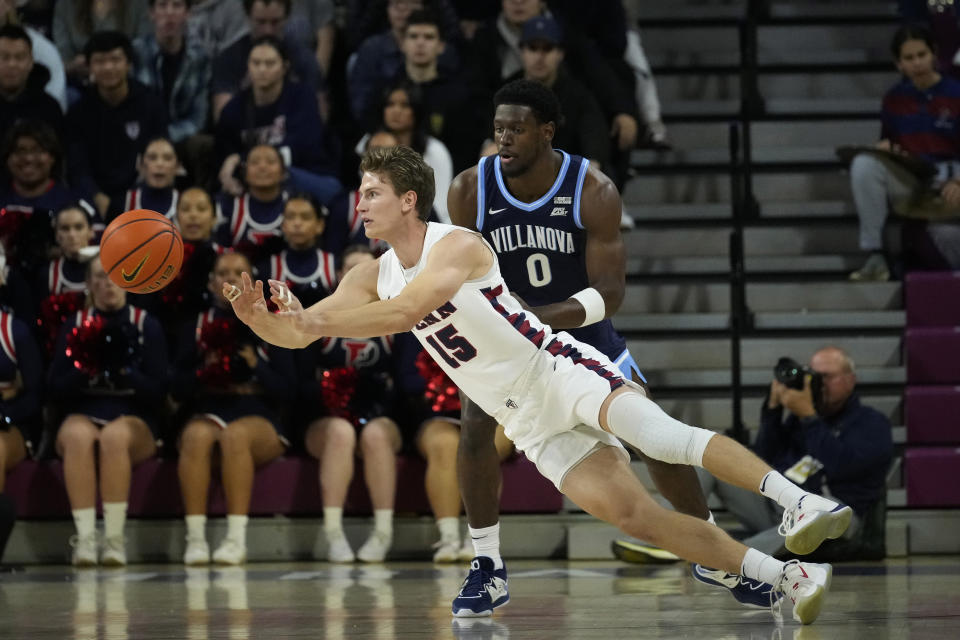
point(291, 308)
point(246, 300)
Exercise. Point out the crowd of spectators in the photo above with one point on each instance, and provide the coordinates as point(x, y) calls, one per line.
point(243, 122)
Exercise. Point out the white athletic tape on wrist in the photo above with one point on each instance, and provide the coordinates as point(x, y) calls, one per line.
point(593, 305)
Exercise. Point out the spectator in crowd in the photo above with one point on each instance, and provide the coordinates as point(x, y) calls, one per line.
point(75, 21)
point(21, 82)
point(828, 443)
point(311, 25)
point(310, 272)
point(280, 112)
point(910, 127)
point(230, 68)
point(353, 381)
point(31, 154)
point(187, 296)
point(109, 378)
point(111, 124)
point(250, 223)
point(368, 18)
point(402, 113)
point(21, 382)
point(21, 387)
point(67, 271)
point(155, 188)
point(60, 282)
point(177, 67)
point(232, 386)
point(450, 115)
point(44, 53)
point(216, 24)
point(583, 130)
point(495, 55)
point(379, 59)
point(37, 14)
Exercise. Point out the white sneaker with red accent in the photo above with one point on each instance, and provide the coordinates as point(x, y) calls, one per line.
point(806, 584)
point(812, 520)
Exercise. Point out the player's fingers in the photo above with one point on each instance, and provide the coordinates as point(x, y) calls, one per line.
point(231, 292)
point(247, 282)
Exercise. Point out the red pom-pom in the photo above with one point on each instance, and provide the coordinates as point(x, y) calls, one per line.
point(84, 345)
point(337, 387)
point(440, 392)
point(54, 311)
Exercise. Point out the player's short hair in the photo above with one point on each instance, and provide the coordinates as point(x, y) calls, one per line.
point(104, 41)
point(406, 170)
point(911, 32)
point(527, 93)
point(248, 5)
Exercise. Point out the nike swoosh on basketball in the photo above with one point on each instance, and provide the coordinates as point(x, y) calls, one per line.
point(133, 276)
point(493, 211)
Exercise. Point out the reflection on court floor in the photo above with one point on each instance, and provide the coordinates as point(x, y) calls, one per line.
point(917, 598)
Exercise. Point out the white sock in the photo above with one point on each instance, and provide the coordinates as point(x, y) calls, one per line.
point(85, 520)
point(449, 529)
point(760, 566)
point(383, 521)
point(333, 519)
point(486, 542)
point(237, 529)
point(114, 517)
point(196, 527)
point(778, 488)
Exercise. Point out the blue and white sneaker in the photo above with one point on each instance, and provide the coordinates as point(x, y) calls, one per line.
point(811, 520)
point(484, 589)
point(746, 591)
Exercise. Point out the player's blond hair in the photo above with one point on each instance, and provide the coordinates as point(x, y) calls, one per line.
point(405, 170)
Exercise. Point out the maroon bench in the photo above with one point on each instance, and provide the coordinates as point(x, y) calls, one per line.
point(288, 486)
point(931, 474)
point(932, 298)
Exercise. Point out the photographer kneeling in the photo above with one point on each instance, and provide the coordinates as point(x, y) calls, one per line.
point(829, 444)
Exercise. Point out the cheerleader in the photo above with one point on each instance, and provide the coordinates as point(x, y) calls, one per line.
point(349, 384)
point(108, 376)
point(231, 385)
point(155, 189)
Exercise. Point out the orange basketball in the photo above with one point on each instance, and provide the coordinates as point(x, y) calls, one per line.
point(141, 251)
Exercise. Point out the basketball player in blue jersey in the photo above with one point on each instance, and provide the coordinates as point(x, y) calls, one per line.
point(561, 401)
point(554, 222)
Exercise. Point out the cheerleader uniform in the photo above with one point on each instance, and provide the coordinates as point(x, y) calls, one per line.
point(138, 388)
point(209, 391)
point(309, 273)
point(359, 385)
point(163, 201)
point(19, 354)
point(250, 226)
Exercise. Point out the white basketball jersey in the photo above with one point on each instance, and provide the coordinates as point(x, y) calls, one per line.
point(481, 337)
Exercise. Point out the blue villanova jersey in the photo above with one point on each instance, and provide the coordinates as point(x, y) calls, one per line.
point(541, 245)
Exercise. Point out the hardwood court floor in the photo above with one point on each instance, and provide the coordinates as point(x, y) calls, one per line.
point(917, 599)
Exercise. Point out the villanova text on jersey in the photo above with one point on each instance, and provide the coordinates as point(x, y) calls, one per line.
point(541, 245)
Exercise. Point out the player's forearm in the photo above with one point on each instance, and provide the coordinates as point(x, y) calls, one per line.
point(368, 321)
point(568, 314)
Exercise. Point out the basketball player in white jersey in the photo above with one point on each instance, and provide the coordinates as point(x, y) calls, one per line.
point(562, 402)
